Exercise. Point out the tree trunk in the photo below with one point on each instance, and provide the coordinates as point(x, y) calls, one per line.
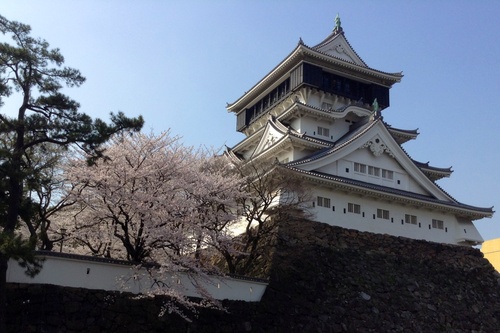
point(3, 293)
point(15, 188)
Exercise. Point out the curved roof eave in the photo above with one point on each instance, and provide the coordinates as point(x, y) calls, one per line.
point(446, 172)
point(231, 106)
point(249, 139)
point(232, 156)
point(397, 195)
point(286, 140)
point(287, 64)
point(402, 135)
point(335, 114)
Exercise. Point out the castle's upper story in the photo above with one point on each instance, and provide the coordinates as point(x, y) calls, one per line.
point(324, 78)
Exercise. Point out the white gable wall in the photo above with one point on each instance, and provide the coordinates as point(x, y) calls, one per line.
point(339, 47)
point(345, 168)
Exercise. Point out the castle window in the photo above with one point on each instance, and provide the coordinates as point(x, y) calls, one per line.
point(387, 174)
point(354, 208)
point(411, 219)
point(383, 214)
point(323, 131)
point(358, 167)
point(437, 224)
point(373, 171)
point(324, 202)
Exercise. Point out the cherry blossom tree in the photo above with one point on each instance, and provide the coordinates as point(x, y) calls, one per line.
point(153, 200)
point(273, 193)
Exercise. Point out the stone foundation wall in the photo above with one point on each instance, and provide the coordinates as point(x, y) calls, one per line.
point(322, 279)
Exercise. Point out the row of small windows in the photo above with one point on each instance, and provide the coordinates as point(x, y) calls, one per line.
point(373, 171)
point(381, 213)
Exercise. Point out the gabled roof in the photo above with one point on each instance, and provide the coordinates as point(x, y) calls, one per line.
point(337, 45)
point(346, 61)
point(272, 136)
point(376, 136)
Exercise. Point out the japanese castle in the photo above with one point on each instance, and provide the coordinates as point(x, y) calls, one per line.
point(319, 113)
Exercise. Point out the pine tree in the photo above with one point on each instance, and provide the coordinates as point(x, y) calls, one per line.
point(45, 116)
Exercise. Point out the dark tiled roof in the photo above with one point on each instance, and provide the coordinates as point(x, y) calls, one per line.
point(353, 135)
point(432, 168)
point(391, 191)
point(398, 75)
point(311, 52)
point(408, 132)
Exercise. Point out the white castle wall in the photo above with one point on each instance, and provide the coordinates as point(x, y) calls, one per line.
point(453, 232)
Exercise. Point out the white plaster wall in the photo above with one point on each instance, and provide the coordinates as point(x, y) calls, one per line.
point(340, 128)
point(310, 126)
point(314, 100)
point(107, 276)
point(337, 127)
point(395, 226)
point(466, 230)
point(296, 124)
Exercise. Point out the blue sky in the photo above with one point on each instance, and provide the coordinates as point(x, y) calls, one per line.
point(179, 62)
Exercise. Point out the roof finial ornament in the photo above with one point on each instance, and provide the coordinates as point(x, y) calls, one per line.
point(338, 27)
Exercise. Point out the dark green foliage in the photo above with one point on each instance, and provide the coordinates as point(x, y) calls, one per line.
point(46, 118)
point(15, 247)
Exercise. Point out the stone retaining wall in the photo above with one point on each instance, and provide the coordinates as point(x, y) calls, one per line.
point(322, 279)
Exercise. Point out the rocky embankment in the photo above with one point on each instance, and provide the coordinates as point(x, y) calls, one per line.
point(322, 279)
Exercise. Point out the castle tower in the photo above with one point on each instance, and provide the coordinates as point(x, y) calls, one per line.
point(319, 113)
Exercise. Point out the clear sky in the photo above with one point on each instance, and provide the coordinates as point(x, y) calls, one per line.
point(179, 62)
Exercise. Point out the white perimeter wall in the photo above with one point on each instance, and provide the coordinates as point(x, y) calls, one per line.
point(79, 273)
